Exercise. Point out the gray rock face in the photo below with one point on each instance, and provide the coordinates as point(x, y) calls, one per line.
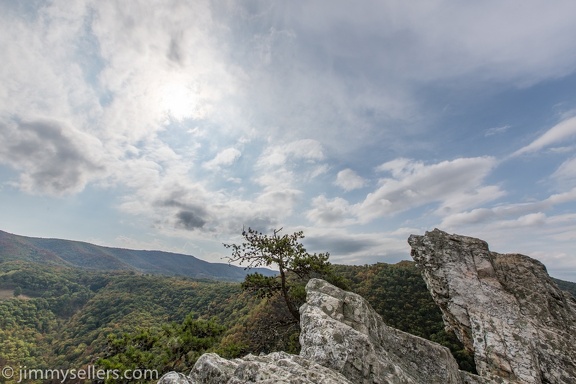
point(341, 331)
point(174, 378)
point(277, 367)
point(343, 341)
point(505, 308)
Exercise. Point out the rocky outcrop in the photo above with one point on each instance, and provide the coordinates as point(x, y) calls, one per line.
point(504, 307)
point(341, 331)
point(343, 341)
point(277, 367)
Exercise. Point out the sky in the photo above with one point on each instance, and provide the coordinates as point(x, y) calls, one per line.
point(173, 125)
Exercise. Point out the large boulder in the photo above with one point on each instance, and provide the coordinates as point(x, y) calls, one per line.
point(340, 330)
point(504, 307)
point(343, 341)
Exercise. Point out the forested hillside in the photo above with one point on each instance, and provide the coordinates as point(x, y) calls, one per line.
point(55, 317)
point(77, 254)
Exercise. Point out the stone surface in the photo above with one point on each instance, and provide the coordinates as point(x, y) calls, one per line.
point(505, 308)
point(277, 367)
point(340, 330)
point(174, 378)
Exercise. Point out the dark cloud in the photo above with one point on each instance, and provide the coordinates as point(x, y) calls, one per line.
point(189, 216)
point(52, 157)
point(189, 220)
point(175, 51)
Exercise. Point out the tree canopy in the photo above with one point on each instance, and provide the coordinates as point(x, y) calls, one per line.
point(286, 253)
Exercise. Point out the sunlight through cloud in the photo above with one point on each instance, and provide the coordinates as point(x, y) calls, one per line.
point(178, 101)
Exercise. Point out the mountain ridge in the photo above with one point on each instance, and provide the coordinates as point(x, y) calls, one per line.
point(84, 255)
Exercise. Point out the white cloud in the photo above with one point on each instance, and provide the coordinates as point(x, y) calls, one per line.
point(561, 198)
point(494, 40)
point(283, 201)
point(400, 167)
point(454, 185)
point(471, 198)
point(508, 215)
point(224, 158)
point(278, 165)
point(163, 65)
point(40, 73)
point(457, 182)
point(335, 212)
point(306, 149)
point(349, 180)
point(146, 97)
point(277, 155)
point(495, 214)
point(537, 219)
point(557, 134)
point(566, 173)
point(474, 216)
point(497, 130)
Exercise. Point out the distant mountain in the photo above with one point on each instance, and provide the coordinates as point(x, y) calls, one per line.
point(88, 256)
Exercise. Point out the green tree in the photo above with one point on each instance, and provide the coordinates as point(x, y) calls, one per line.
point(172, 347)
point(286, 253)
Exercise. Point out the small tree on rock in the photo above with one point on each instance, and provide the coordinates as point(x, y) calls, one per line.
point(286, 253)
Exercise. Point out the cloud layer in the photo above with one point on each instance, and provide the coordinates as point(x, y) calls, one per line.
point(356, 124)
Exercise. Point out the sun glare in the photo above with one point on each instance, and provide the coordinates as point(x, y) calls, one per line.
point(178, 101)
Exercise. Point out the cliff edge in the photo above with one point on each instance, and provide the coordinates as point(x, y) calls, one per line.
point(503, 307)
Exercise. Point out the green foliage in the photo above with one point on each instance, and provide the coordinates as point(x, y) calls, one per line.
point(130, 302)
point(64, 290)
point(66, 318)
point(25, 330)
point(268, 327)
point(262, 286)
point(295, 265)
point(173, 347)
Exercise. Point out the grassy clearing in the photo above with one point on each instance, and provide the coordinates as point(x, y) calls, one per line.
point(6, 294)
